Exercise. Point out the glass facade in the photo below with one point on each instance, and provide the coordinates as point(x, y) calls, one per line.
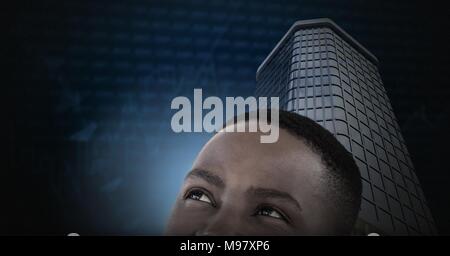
point(321, 72)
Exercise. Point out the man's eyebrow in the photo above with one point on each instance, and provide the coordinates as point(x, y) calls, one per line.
point(273, 193)
point(207, 176)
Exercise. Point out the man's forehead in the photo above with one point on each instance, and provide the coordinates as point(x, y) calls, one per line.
point(241, 141)
point(241, 155)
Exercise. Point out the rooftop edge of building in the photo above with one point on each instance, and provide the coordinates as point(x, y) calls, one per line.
point(322, 22)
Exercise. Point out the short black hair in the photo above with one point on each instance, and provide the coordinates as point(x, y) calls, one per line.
point(344, 182)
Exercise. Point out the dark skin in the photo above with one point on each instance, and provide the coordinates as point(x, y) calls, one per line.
point(239, 186)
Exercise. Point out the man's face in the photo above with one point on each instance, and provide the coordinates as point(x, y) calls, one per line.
point(239, 186)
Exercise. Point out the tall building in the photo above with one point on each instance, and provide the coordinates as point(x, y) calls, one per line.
point(319, 71)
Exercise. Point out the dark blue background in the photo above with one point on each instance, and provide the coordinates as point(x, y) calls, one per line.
point(88, 86)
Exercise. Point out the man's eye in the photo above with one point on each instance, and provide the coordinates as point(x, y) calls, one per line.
point(270, 212)
point(199, 195)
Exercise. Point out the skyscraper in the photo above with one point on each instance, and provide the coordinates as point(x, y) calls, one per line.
point(320, 71)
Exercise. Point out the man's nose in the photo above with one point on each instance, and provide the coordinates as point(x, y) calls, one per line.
point(224, 223)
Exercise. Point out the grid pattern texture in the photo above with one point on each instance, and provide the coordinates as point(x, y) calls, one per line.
point(332, 83)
